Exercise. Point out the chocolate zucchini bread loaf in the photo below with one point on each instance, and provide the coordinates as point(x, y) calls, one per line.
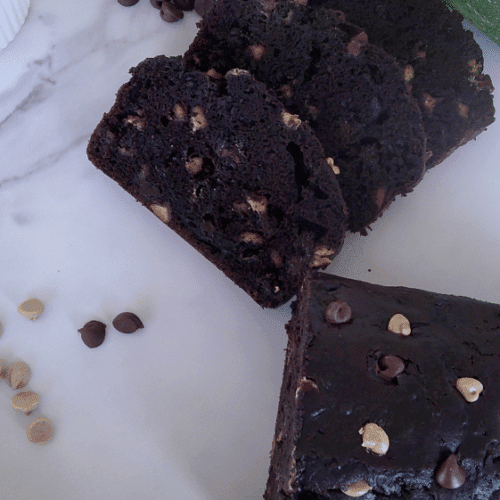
point(225, 166)
point(352, 93)
point(443, 62)
point(388, 393)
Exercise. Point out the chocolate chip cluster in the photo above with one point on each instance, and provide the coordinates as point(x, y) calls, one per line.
point(173, 10)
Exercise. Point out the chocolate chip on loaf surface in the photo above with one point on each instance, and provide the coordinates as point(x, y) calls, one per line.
point(443, 62)
point(368, 410)
point(353, 94)
point(219, 160)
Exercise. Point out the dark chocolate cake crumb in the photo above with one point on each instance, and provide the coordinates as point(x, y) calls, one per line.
point(220, 161)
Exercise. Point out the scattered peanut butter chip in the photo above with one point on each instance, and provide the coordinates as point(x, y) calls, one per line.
point(25, 401)
point(470, 388)
point(31, 309)
point(257, 203)
point(399, 324)
point(40, 430)
point(249, 237)
point(17, 375)
point(450, 474)
point(180, 112)
point(194, 165)
point(375, 439)
point(338, 312)
point(127, 322)
point(198, 119)
point(357, 489)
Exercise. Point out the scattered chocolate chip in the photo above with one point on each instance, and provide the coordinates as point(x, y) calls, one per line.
point(31, 309)
point(203, 7)
point(40, 430)
point(470, 388)
point(127, 3)
point(25, 401)
point(357, 489)
point(17, 375)
point(156, 4)
point(375, 439)
point(127, 322)
point(390, 367)
point(169, 13)
point(338, 312)
point(93, 333)
point(399, 324)
point(450, 474)
point(184, 4)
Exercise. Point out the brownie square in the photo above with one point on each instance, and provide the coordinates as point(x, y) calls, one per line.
point(428, 391)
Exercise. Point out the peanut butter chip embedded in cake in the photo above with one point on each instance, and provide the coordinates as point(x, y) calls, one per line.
point(257, 203)
point(331, 162)
point(136, 121)
point(198, 120)
point(463, 110)
point(470, 388)
point(322, 256)
point(375, 439)
point(290, 121)
point(40, 431)
point(26, 401)
point(17, 375)
point(338, 312)
point(180, 112)
point(194, 165)
point(162, 212)
point(31, 309)
point(450, 474)
point(357, 489)
point(248, 237)
point(257, 51)
point(409, 73)
point(399, 324)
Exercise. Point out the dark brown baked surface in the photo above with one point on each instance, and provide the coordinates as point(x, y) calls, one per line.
point(341, 376)
point(220, 161)
point(353, 94)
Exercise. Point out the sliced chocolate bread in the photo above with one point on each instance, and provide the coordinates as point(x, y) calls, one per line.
point(388, 393)
point(443, 64)
point(353, 94)
point(225, 166)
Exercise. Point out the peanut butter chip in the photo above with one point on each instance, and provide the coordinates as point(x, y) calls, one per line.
point(17, 375)
point(470, 388)
point(399, 324)
point(374, 439)
point(162, 212)
point(40, 430)
point(25, 401)
point(180, 112)
point(409, 73)
point(194, 165)
point(257, 203)
point(290, 121)
point(463, 110)
point(323, 256)
point(257, 51)
point(357, 489)
point(198, 120)
point(31, 309)
point(254, 238)
point(331, 162)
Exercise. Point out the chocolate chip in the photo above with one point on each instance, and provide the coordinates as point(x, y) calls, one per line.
point(127, 322)
point(390, 367)
point(127, 3)
point(169, 13)
point(203, 7)
point(184, 4)
point(450, 475)
point(156, 4)
point(93, 333)
point(338, 312)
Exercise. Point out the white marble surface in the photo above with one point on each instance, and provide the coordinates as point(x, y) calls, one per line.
point(185, 408)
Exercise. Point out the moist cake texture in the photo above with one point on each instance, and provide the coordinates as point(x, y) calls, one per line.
point(442, 57)
point(220, 161)
point(393, 393)
point(353, 94)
